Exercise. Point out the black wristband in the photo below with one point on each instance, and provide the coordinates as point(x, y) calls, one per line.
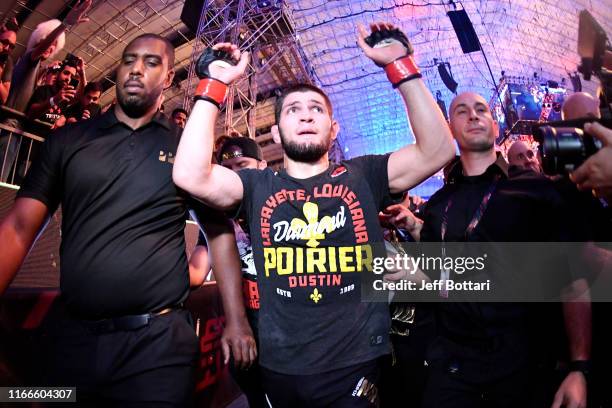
point(207, 99)
point(584, 366)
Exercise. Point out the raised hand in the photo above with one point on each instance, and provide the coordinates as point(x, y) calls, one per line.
point(80, 66)
point(217, 68)
point(77, 14)
point(384, 52)
point(595, 173)
point(66, 94)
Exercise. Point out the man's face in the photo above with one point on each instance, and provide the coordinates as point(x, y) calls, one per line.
point(522, 156)
point(65, 75)
point(90, 97)
point(49, 51)
point(8, 39)
point(306, 128)
point(142, 76)
point(472, 124)
point(180, 119)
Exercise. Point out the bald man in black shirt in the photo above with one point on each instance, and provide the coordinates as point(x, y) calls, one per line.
point(485, 353)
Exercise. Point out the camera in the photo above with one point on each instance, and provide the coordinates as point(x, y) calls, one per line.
point(564, 145)
point(71, 60)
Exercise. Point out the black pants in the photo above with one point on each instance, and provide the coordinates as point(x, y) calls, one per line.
point(354, 386)
point(469, 377)
point(250, 384)
point(152, 366)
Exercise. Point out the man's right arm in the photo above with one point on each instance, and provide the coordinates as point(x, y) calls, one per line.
point(193, 171)
point(17, 233)
point(74, 17)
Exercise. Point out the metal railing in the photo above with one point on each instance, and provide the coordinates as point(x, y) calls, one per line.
point(20, 139)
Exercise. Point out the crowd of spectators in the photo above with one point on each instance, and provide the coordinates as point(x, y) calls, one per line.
point(38, 91)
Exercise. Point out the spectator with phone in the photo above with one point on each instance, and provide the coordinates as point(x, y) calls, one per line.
point(87, 105)
point(45, 41)
point(49, 101)
point(80, 80)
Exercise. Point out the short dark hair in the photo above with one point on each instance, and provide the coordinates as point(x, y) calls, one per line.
point(278, 105)
point(67, 63)
point(92, 87)
point(179, 110)
point(168, 44)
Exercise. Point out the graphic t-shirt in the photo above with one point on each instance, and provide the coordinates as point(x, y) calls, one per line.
point(313, 239)
point(42, 94)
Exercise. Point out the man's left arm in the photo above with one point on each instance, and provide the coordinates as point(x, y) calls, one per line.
point(434, 148)
point(82, 79)
point(5, 88)
point(577, 316)
point(237, 336)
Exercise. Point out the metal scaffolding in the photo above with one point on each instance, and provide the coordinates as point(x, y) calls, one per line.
point(276, 57)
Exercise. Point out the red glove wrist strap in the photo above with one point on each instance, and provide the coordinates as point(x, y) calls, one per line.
point(212, 90)
point(402, 70)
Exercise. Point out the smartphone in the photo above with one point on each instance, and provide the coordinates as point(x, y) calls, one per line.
point(74, 83)
point(72, 60)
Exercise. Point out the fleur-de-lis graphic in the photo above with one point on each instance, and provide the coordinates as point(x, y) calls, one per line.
point(316, 296)
point(311, 230)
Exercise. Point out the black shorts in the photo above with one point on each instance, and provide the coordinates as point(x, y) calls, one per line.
point(354, 386)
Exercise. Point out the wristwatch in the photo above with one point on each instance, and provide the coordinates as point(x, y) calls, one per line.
point(584, 366)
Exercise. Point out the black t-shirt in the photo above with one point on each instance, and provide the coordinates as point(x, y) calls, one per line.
point(312, 239)
point(123, 219)
point(247, 264)
point(43, 94)
point(76, 111)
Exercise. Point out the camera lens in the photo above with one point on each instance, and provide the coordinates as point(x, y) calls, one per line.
point(563, 149)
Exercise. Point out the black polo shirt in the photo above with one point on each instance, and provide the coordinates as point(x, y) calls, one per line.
point(123, 246)
point(528, 208)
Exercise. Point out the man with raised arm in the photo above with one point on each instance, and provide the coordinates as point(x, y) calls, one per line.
point(314, 225)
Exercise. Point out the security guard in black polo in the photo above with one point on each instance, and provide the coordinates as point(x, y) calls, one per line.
point(124, 273)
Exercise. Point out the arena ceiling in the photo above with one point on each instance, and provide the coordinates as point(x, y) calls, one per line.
point(521, 38)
